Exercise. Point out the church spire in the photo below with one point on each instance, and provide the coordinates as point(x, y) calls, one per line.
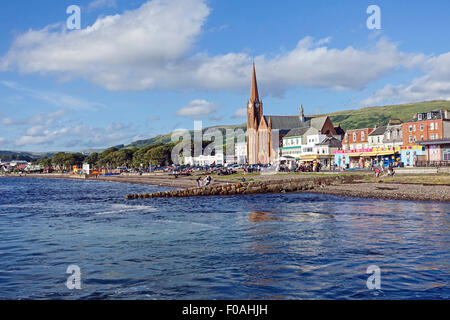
point(254, 95)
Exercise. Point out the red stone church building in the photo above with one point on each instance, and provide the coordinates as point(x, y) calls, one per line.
point(265, 133)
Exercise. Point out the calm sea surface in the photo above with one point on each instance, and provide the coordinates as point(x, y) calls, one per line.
point(289, 246)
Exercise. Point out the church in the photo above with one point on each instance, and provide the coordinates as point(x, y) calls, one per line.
point(265, 133)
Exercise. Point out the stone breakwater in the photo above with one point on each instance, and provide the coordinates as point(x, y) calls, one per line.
point(275, 186)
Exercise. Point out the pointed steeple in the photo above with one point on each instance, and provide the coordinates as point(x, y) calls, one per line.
point(301, 114)
point(254, 95)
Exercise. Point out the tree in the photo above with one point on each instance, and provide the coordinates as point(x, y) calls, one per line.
point(92, 159)
point(104, 158)
point(65, 161)
point(159, 155)
point(45, 162)
point(123, 157)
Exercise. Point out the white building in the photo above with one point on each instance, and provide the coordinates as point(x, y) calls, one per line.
point(205, 160)
point(240, 151)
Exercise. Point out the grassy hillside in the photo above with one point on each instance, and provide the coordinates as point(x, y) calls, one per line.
point(166, 138)
point(349, 119)
point(22, 155)
point(371, 116)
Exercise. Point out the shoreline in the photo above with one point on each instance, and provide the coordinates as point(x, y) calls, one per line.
point(158, 180)
point(389, 191)
point(392, 190)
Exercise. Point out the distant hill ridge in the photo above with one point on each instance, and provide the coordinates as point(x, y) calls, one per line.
point(368, 117)
point(380, 116)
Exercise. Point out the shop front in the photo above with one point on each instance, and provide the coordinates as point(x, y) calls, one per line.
point(366, 158)
point(410, 155)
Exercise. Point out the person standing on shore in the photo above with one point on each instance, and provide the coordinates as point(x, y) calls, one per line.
point(199, 181)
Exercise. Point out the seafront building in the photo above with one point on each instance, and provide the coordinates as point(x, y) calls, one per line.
point(432, 131)
point(356, 139)
point(393, 136)
point(274, 138)
point(309, 144)
point(422, 141)
point(205, 160)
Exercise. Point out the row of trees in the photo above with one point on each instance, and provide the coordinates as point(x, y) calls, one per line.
point(158, 154)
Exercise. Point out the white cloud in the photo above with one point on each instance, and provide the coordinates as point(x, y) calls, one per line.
point(37, 119)
point(54, 98)
point(240, 113)
point(434, 85)
point(137, 47)
point(198, 109)
point(76, 136)
point(152, 48)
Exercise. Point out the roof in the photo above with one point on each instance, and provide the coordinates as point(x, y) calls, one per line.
point(394, 122)
point(434, 142)
point(292, 122)
point(331, 142)
point(318, 123)
point(296, 132)
point(435, 115)
point(285, 122)
point(339, 130)
point(378, 131)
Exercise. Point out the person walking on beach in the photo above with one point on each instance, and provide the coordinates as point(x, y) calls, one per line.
point(377, 172)
point(207, 180)
point(199, 183)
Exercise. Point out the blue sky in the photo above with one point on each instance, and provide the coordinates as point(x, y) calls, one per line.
point(139, 68)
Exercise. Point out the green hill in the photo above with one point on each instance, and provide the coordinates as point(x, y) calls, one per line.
point(166, 138)
point(349, 119)
point(371, 116)
point(22, 155)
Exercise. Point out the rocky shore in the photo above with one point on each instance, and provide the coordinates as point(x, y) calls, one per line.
point(268, 186)
point(340, 185)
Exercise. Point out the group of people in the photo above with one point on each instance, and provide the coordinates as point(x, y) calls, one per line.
point(205, 182)
point(380, 170)
point(292, 167)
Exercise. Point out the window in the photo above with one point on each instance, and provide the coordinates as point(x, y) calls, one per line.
point(436, 136)
point(429, 115)
point(414, 128)
point(410, 139)
point(432, 126)
point(378, 139)
point(446, 154)
point(410, 128)
point(363, 135)
point(432, 137)
point(354, 136)
point(420, 116)
point(395, 134)
point(421, 127)
point(435, 125)
point(421, 137)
